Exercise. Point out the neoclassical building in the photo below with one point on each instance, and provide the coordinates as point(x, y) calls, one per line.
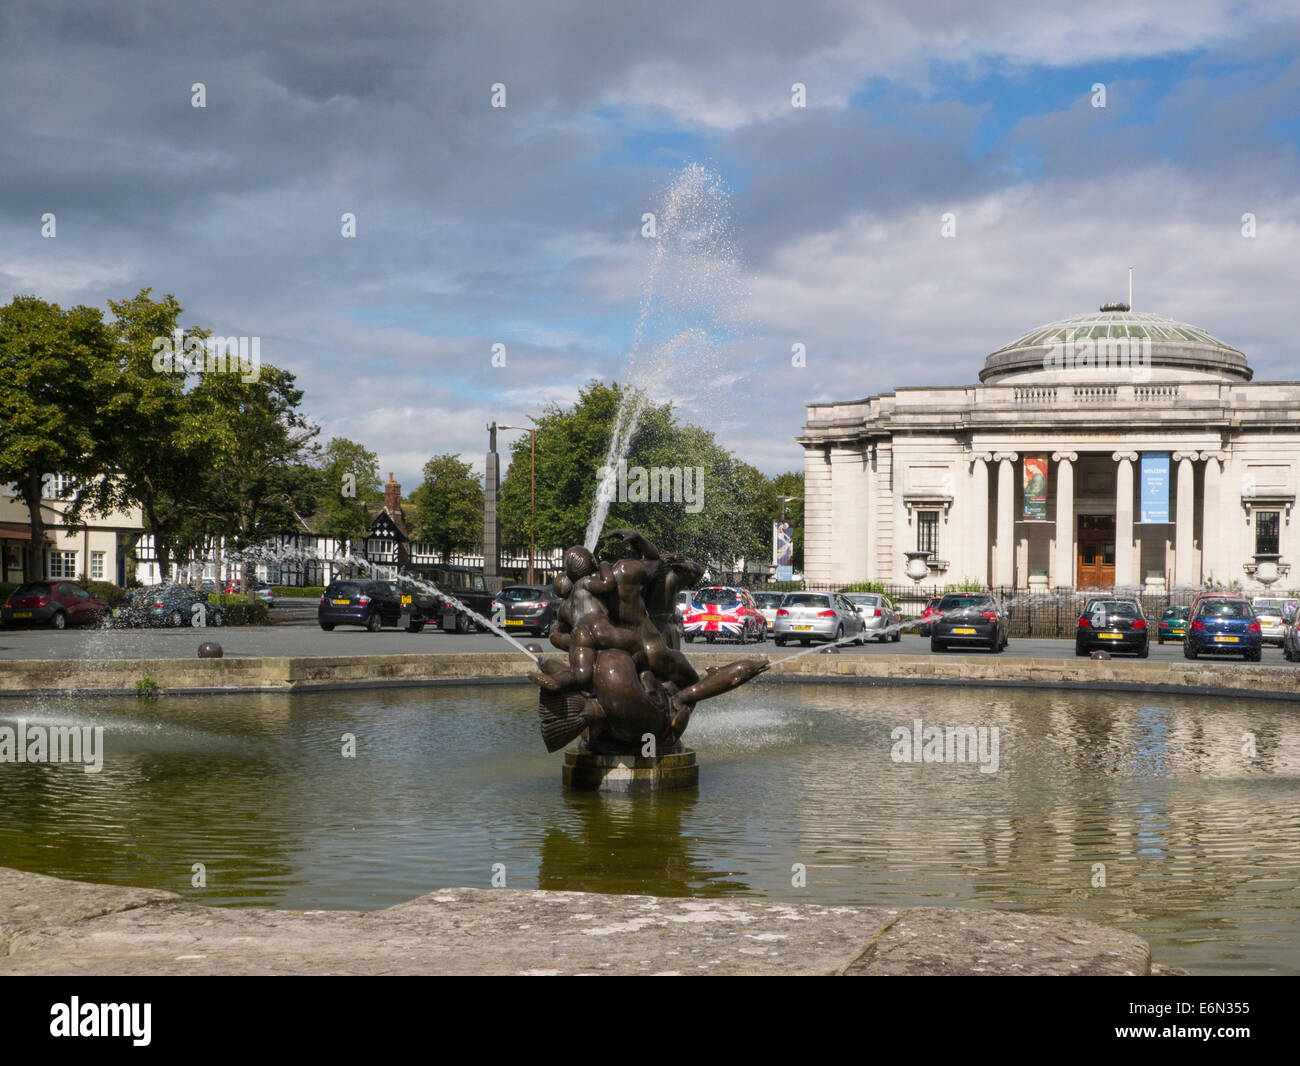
point(1110, 449)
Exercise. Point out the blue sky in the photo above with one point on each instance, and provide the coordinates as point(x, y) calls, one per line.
point(521, 225)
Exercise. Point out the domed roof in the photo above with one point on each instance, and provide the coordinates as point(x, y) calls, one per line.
point(1174, 345)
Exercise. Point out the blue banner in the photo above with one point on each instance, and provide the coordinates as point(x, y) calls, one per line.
point(1154, 475)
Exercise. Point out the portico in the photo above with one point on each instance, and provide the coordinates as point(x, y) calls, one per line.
point(1171, 471)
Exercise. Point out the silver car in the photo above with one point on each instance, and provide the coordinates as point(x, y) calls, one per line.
point(767, 604)
point(880, 618)
point(821, 616)
point(1271, 627)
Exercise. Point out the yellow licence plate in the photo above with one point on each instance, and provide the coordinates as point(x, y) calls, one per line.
point(22, 614)
point(341, 603)
point(801, 627)
point(1225, 640)
point(406, 600)
point(965, 632)
point(514, 621)
point(711, 618)
point(1111, 636)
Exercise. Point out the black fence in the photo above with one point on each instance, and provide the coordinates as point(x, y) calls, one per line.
point(1046, 613)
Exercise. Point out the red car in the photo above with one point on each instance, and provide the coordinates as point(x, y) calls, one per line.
point(723, 611)
point(55, 603)
point(928, 615)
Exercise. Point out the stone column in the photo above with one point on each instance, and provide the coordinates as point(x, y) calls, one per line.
point(1211, 516)
point(1065, 554)
point(1124, 518)
point(1184, 522)
point(977, 564)
point(1004, 568)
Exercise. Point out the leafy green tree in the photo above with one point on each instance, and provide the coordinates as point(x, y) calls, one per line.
point(448, 506)
point(260, 479)
point(349, 477)
point(151, 442)
point(50, 363)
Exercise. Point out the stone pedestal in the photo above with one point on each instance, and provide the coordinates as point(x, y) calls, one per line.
point(630, 773)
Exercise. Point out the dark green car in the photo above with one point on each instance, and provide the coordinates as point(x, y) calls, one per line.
point(1173, 624)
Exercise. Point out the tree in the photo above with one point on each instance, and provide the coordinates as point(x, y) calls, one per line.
point(449, 506)
point(51, 361)
point(261, 480)
point(349, 476)
point(151, 443)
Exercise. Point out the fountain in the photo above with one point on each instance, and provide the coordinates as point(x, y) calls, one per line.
point(625, 686)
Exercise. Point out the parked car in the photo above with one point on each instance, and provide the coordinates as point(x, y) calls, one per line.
point(1116, 624)
point(970, 618)
point(881, 620)
point(1173, 624)
point(822, 616)
point(529, 608)
point(766, 603)
point(261, 589)
point(1291, 639)
point(371, 604)
point(723, 611)
point(58, 604)
point(1271, 627)
point(168, 605)
point(1223, 625)
point(928, 614)
point(467, 585)
point(420, 606)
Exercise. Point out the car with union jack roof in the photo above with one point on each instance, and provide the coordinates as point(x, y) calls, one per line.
point(723, 612)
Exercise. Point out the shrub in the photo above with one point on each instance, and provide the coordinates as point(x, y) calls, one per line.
point(106, 591)
point(146, 688)
point(239, 612)
point(6, 587)
point(309, 592)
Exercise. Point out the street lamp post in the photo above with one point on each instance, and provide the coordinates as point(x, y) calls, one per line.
point(532, 494)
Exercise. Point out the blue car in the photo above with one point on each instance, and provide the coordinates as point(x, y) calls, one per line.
point(1223, 625)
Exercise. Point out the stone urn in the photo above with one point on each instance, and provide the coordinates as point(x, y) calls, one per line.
point(1266, 573)
point(917, 567)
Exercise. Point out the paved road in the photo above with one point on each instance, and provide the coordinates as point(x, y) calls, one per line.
point(304, 637)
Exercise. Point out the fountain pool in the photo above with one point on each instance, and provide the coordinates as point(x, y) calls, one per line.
point(1200, 843)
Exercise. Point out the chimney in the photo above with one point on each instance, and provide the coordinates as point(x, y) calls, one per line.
point(393, 496)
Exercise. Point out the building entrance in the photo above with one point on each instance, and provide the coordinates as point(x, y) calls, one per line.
point(1096, 551)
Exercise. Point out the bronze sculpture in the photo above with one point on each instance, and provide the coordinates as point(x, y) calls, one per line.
point(625, 678)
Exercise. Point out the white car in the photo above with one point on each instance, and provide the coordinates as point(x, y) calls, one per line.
point(767, 603)
point(1272, 629)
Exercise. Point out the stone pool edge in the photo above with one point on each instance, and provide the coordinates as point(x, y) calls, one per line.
point(54, 927)
point(116, 677)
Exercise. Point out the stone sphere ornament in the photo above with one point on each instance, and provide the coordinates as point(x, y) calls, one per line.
point(210, 649)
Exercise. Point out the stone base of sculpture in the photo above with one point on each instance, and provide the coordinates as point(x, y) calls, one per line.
point(589, 772)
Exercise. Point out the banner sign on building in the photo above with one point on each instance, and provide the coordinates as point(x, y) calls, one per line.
point(1035, 474)
point(783, 549)
point(1153, 471)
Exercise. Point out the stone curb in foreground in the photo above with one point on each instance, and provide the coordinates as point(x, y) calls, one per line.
point(71, 928)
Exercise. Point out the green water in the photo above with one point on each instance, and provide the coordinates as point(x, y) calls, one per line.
point(1200, 843)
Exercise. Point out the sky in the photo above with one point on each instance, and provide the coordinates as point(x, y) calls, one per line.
point(776, 225)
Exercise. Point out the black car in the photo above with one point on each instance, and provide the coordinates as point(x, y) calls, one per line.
point(1115, 624)
point(168, 605)
point(530, 608)
point(370, 604)
point(419, 604)
point(970, 618)
point(467, 585)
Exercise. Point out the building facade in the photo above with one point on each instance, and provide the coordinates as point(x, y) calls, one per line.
point(1114, 449)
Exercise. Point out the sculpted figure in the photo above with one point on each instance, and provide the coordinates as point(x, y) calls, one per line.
point(624, 676)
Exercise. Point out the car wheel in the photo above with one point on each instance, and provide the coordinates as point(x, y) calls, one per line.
point(804, 642)
point(327, 626)
point(463, 623)
point(1255, 656)
point(778, 641)
point(1079, 649)
point(896, 636)
point(415, 627)
point(690, 638)
point(59, 621)
point(839, 635)
point(709, 638)
point(176, 620)
point(937, 645)
point(218, 618)
point(1188, 650)
point(1146, 651)
point(996, 646)
point(1160, 640)
point(374, 622)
